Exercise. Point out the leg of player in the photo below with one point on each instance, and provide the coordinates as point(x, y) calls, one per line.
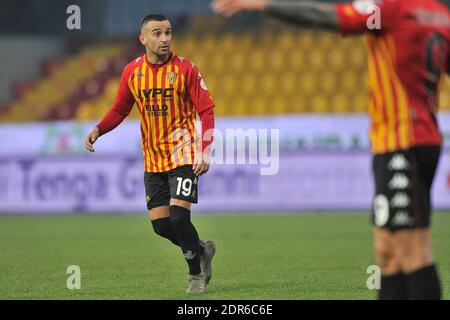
point(180, 216)
point(413, 248)
point(393, 280)
point(414, 254)
point(162, 225)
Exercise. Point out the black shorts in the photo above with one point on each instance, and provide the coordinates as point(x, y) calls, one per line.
point(180, 183)
point(403, 182)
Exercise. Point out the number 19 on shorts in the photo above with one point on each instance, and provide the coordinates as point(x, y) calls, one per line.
point(184, 186)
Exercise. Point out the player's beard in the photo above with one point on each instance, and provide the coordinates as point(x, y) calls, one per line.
point(161, 56)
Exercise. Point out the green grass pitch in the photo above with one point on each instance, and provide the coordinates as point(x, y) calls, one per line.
point(305, 256)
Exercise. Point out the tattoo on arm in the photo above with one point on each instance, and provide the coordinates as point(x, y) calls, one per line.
point(305, 13)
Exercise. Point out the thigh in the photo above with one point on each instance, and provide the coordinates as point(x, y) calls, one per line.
point(157, 190)
point(158, 213)
point(384, 251)
point(183, 184)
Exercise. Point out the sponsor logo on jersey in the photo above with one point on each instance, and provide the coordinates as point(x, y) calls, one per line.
point(156, 92)
point(157, 109)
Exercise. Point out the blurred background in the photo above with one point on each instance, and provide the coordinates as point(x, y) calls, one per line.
point(56, 83)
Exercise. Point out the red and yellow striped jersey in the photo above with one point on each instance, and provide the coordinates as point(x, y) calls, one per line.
point(408, 53)
point(168, 97)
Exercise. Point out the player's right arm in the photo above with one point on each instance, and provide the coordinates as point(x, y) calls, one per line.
point(117, 113)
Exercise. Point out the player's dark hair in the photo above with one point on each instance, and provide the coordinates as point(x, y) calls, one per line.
point(153, 17)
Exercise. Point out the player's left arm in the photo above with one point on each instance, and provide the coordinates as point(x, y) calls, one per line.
point(204, 106)
point(347, 18)
point(305, 13)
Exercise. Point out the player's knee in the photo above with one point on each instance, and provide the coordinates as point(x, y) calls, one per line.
point(162, 227)
point(413, 249)
point(412, 258)
point(179, 215)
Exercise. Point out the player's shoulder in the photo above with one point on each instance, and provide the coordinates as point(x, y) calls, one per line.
point(133, 64)
point(183, 63)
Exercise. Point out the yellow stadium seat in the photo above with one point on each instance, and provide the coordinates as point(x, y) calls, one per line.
point(229, 85)
point(320, 104)
point(308, 83)
point(248, 84)
point(279, 105)
point(339, 103)
point(296, 59)
point(268, 84)
point(360, 102)
point(236, 63)
point(327, 41)
point(239, 106)
point(287, 40)
point(307, 40)
point(229, 43)
point(288, 83)
point(328, 82)
point(257, 61)
point(259, 105)
point(349, 81)
point(297, 104)
point(218, 63)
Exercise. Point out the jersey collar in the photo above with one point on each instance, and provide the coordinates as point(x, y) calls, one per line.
point(157, 66)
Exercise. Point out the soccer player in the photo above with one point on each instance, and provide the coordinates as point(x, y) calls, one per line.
point(169, 92)
point(409, 45)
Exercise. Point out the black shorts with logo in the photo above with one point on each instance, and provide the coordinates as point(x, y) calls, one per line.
point(403, 182)
point(180, 183)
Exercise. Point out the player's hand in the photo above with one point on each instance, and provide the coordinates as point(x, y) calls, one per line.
point(230, 7)
point(91, 138)
point(201, 164)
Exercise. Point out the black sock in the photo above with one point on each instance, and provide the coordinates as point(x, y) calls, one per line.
point(187, 237)
point(163, 227)
point(423, 284)
point(393, 287)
